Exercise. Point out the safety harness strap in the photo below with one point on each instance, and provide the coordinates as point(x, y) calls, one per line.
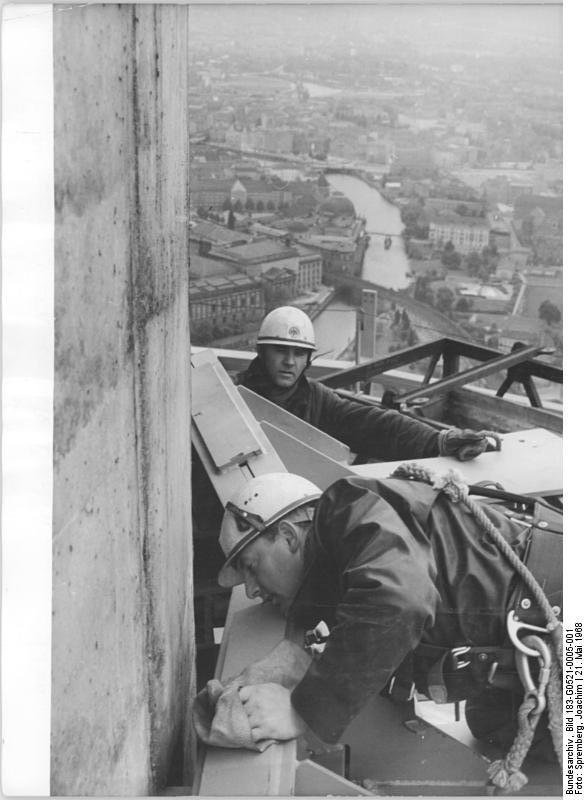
point(458, 672)
point(544, 559)
point(454, 674)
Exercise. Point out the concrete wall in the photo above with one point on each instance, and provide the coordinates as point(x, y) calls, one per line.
point(122, 553)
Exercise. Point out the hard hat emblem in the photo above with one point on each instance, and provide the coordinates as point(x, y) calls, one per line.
point(294, 332)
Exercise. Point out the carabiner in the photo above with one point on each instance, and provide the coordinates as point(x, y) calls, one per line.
point(514, 626)
point(544, 659)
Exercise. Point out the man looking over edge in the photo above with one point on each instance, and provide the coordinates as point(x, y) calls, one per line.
point(393, 567)
point(285, 344)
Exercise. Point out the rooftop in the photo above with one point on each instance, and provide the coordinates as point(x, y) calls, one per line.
point(261, 250)
point(217, 234)
point(203, 287)
point(451, 218)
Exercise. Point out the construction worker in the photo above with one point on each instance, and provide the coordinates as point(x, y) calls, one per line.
point(407, 581)
point(285, 345)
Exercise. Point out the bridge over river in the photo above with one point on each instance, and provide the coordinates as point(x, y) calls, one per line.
point(429, 323)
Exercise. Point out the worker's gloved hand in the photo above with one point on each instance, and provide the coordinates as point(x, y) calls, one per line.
point(220, 719)
point(465, 444)
point(270, 712)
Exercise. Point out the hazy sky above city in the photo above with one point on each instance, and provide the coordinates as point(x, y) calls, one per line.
point(497, 28)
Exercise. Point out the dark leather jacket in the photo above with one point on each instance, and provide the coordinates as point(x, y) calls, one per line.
point(368, 431)
point(391, 564)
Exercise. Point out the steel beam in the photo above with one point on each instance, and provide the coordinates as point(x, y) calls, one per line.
point(369, 369)
point(471, 374)
point(431, 367)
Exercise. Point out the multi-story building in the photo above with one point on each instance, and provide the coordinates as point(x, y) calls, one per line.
point(223, 299)
point(260, 255)
point(210, 193)
point(465, 233)
point(338, 253)
point(248, 169)
point(310, 269)
point(502, 189)
point(279, 285)
point(258, 195)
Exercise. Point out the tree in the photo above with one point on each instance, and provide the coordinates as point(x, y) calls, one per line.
point(201, 332)
point(231, 220)
point(516, 280)
point(445, 299)
point(464, 304)
point(201, 212)
point(422, 290)
point(548, 312)
point(527, 228)
point(226, 205)
point(249, 204)
point(415, 223)
point(450, 258)
point(473, 263)
point(259, 206)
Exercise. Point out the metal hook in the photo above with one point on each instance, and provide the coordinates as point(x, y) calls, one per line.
point(523, 667)
point(514, 626)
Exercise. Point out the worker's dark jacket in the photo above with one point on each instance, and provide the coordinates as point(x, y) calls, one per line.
point(370, 431)
point(391, 563)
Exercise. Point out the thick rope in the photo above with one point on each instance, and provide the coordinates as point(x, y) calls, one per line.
point(457, 490)
point(505, 774)
point(554, 702)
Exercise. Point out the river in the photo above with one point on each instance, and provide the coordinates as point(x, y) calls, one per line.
point(335, 327)
point(385, 267)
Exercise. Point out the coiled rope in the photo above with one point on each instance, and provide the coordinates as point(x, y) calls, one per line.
point(505, 774)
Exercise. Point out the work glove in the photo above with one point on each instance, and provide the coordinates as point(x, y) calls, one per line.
point(466, 444)
point(220, 719)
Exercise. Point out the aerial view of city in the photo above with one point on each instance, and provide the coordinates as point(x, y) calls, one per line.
point(411, 150)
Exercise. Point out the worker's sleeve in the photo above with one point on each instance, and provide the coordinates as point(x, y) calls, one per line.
point(375, 432)
point(388, 598)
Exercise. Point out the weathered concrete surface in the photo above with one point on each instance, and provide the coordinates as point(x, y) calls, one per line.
point(123, 638)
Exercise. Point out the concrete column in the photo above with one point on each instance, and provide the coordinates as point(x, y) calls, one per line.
point(367, 340)
point(122, 552)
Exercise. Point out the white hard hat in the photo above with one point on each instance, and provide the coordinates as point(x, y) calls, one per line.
point(260, 503)
point(287, 325)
